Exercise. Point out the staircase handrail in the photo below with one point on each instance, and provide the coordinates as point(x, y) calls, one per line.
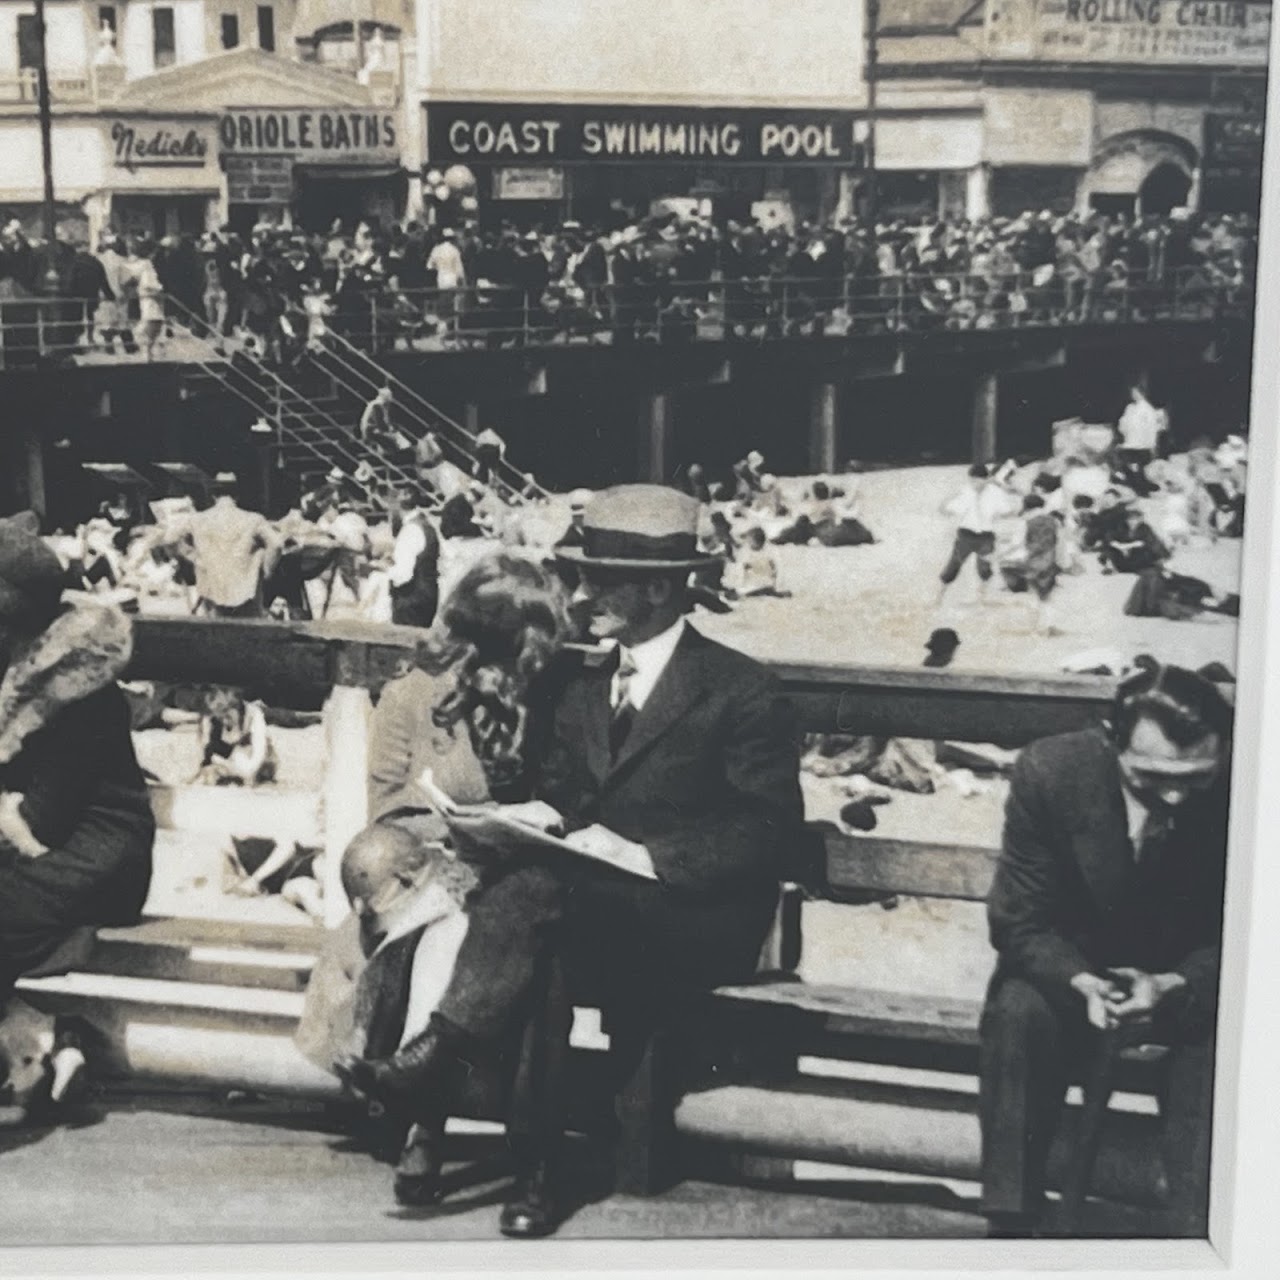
point(193, 323)
point(506, 471)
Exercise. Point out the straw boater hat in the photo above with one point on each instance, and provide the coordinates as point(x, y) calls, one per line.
point(640, 527)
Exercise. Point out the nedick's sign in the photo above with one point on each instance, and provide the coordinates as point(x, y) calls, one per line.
point(322, 135)
point(142, 144)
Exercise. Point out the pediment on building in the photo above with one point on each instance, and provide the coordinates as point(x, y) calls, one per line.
point(243, 78)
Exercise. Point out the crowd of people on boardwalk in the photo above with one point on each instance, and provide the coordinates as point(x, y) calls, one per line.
point(667, 276)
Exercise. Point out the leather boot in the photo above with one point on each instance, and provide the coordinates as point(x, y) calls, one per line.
point(408, 1080)
point(532, 1209)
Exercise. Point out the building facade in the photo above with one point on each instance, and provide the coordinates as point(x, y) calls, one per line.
point(600, 108)
point(1137, 106)
point(176, 117)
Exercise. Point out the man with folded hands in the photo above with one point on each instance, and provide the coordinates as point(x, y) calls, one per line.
point(1106, 911)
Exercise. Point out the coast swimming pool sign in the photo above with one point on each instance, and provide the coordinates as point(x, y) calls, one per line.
point(552, 134)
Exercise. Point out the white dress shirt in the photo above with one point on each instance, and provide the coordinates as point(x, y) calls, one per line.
point(978, 509)
point(650, 658)
point(411, 542)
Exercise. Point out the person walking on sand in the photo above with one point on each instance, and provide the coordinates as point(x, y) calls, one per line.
point(975, 509)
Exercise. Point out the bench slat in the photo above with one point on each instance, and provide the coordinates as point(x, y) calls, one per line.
point(863, 1012)
point(915, 868)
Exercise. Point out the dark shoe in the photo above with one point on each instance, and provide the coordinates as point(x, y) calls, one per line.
point(531, 1210)
point(1012, 1226)
point(417, 1180)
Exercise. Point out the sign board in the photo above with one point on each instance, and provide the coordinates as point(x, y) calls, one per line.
point(316, 136)
point(528, 184)
point(136, 143)
point(1039, 127)
point(1164, 32)
point(514, 134)
point(1232, 146)
point(259, 179)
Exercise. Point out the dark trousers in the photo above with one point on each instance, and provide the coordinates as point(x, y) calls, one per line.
point(967, 543)
point(540, 940)
point(1032, 1048)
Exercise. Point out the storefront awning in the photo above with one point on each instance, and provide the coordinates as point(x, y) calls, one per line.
point(119, 474)
point(346, 172)
point(184, 473)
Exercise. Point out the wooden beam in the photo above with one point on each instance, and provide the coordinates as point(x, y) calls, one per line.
point(297, 664)
point(855, 1011)
point(914, 868)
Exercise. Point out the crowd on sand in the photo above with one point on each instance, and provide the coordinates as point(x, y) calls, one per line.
point(1112, 495)
point(661, 275)
point(1110, 500)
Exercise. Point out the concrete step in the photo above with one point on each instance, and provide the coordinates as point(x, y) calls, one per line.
point(223, 953)
point(229, 1037)
point(904, 1129)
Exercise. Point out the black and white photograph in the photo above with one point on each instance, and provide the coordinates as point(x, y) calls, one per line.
point(620, 619)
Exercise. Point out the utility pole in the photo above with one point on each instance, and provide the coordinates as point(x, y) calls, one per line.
point(50, 279)
point(871, 72)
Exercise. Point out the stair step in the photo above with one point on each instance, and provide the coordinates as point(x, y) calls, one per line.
point(227, 960)
point(227, 1036)
point(901, 1128)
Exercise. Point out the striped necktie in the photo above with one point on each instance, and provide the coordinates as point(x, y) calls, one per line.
point(622, 710)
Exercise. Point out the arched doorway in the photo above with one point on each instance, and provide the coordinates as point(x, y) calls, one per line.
point(1166, 187)
point(1144, 170)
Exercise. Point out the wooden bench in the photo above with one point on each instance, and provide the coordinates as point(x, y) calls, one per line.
point(758, 1111)
point(230, 1012)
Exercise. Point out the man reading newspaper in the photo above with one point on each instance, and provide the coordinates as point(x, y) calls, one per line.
point(677, 761)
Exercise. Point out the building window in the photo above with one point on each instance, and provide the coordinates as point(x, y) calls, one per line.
point(107, 16)
point(230, 31)
point(163, 48)
point(28, 42)
point(266, 28)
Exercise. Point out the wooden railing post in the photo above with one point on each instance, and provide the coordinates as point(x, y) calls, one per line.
point(345, 803)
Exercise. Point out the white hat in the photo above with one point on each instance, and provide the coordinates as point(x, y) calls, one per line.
point(579, 498)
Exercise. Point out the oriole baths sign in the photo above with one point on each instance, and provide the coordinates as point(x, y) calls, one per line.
point(335, 136)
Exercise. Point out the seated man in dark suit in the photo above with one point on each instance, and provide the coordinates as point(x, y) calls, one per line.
point(1106, 911)
point(678, 759)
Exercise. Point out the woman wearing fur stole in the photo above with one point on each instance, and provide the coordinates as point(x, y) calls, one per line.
point(76, 828)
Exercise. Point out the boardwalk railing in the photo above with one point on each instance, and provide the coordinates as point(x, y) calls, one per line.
point(775, 307)
point(492, 316)
point(342, 666)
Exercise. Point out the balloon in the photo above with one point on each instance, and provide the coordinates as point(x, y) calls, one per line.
point(441, 192)
point(434, 178)
point(469, 204)
point(459, 178)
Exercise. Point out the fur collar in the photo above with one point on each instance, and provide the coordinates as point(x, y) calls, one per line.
point(84, 649)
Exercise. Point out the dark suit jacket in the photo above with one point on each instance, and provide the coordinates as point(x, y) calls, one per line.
point(707, 780)
point(1063, 898)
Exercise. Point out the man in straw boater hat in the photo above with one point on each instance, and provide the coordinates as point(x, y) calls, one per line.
point(673, 758)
